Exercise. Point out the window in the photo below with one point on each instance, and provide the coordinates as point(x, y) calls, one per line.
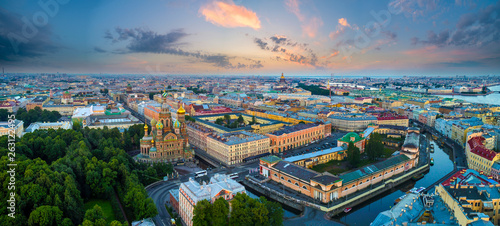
point(374, 178)
point(385, 172)
point(296, 184)
point(353, 185)
point(392, 170)
point(289, 181)
point(304, 187)
point(276, 175)
point(360, 182)
point(282, 178)
point(345, 189)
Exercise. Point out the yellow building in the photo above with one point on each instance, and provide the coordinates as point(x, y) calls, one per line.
point(480, 158)
point(472, 203)
point(262, 114)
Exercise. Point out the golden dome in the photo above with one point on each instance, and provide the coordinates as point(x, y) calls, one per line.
point(153, 141)
point(181, 110)
point(282, 76)
point(145, 126)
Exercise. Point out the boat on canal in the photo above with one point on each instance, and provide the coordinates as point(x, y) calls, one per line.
point(432, 161)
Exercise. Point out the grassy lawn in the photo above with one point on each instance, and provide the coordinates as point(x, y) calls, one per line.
point(333, 167)
point(105, 206)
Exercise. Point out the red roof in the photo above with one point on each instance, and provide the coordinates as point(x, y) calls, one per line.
point(476, 146)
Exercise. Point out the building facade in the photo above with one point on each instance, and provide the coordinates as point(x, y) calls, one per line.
point(191, 192)
point(168, 139)
point(290, 137)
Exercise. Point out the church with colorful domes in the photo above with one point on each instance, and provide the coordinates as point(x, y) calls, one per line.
point(167, 141)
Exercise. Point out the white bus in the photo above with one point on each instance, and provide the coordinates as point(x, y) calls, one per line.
point(200, 173)
point(233, 175)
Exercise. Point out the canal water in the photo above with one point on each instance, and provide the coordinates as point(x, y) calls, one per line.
point(493, 98)
point(364, 214)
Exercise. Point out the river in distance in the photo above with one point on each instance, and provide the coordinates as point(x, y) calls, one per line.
point(493, 98)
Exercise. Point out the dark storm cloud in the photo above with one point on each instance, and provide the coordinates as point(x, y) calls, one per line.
point(99, 49)
point(142, 40)
point(14, 46)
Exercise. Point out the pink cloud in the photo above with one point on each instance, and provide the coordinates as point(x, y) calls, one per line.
point(310, 26)
point(343, 22)
point(227, 14)
point(340, 29)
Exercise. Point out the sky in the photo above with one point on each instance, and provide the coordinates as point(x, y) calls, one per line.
point(252, 37)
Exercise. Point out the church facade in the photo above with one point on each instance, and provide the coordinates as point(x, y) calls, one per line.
point(167, 141)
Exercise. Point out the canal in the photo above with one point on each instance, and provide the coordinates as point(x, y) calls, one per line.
point(364, 214)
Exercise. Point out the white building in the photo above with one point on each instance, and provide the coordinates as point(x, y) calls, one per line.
point(192, 192)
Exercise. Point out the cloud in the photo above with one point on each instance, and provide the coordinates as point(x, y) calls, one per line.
point(15, 47)
point(227, 14)
point(141, 40)
point(467, 63)
point(343, 22)
point(309, 25)
point(288, 50)
point(473, 29)
point(261, 43)
point(341, 28)
point(99, 49)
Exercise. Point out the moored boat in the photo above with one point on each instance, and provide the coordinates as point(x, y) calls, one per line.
point(432, 161)
point(346, 210)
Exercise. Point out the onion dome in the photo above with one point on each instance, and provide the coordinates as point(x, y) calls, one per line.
point(181, 110)
point(152, 149)
point(153, 122)
point(159, 125)
point(145, 126)
point(177, 124)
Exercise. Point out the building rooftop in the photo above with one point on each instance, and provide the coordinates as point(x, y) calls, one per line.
point(314, 154)
point(350, 137)
point(374, 168)
point(292, 129)
point(206, 191)
point(295, 170)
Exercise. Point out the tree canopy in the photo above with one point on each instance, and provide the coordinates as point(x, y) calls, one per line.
point(61, 169)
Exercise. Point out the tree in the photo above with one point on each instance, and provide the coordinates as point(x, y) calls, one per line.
point(95, 216)
point(240, 119)
point(227, 118)
point(45, 215)
point(353, 154)
point(374, 147)
point(248, 211)
point(275, 210)
point(254, 121)
point(220, 212)
point(219, 121)
point(202, 213)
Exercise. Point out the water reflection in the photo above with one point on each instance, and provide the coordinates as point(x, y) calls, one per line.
point(364, 214)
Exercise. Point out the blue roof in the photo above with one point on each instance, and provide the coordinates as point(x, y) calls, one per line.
point(314, 154)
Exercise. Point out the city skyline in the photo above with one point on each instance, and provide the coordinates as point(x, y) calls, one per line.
point(296, 37)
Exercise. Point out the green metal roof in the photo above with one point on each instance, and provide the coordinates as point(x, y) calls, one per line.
point(372, 169)
point(271, 159)
point(347, 137)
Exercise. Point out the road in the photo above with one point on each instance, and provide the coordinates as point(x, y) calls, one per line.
point(159, 191)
